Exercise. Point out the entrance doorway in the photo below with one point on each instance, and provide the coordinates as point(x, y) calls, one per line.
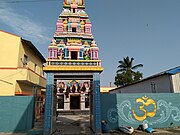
point(60, 101)
point(75, 102)
point(74, 55)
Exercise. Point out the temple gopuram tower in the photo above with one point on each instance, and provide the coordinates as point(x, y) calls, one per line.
point(73, 68)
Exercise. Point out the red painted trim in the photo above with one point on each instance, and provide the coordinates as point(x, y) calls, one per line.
point(36, 73)
point(4, 68)
point(26, 93)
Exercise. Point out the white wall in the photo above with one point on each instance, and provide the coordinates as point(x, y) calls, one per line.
point(161, 84)
point(176, 82)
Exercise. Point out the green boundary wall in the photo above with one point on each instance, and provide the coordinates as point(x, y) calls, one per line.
point(158, 110)
point(16, 113)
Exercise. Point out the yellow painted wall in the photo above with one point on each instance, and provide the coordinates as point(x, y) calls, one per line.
point(32, 59)
point(30, 76)
point(14, 75)
point(106, 89)
point(27, 87)
point(8, 49)
point(7, 82)
point(9, 78)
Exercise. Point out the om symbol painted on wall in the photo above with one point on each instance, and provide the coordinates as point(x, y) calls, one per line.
point(145, 102)
point(161, 111)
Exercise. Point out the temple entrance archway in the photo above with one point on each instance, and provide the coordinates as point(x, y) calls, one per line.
point(75, 103)
point(73, 67)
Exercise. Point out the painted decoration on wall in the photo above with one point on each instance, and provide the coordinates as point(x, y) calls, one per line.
point(143, 111)
point(73, 86)
point(145, 101)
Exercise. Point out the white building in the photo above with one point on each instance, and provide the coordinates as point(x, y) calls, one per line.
point(164, 82)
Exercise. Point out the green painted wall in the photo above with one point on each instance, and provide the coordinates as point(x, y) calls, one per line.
point(158, 110)
point(16, 113)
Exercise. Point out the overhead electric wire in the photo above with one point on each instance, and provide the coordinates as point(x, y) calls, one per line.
point(23, 1)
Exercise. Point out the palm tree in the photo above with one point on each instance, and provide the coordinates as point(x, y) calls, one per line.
point(127, 65)
point(125, 73)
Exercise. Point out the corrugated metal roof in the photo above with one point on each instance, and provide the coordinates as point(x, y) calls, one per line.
point(170, 71)
point(173, 71)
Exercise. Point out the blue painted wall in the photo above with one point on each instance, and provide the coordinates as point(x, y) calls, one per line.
point(50, 106)
point(95, 107)
point(16, 113)
point(158, 110)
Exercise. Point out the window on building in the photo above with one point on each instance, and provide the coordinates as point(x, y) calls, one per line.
point(35, 67)
point(73, 29)
point(74, 10)
point(42, 73)
point(25, 61)
point(153, 87)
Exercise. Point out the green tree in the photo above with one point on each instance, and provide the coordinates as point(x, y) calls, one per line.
point(125, 73)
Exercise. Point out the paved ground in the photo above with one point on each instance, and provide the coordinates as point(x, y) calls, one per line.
point(13, 133)
point(79, 125)
point(73, 125)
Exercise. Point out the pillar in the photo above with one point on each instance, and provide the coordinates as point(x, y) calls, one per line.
point(49, 117)
point(66, 53)
point(96, 109)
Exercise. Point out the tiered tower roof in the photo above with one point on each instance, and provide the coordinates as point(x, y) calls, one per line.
point(73, 47)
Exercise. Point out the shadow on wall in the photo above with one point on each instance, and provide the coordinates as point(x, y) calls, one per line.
point(109, 110)
point(16, 113)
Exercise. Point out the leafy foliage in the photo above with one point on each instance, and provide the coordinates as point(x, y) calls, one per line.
point(126, 74)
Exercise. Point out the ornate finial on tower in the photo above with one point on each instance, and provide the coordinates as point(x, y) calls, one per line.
point(53, 44)
point(93, 44)
point(61, 43)
point(78, 2)
point(86, 43)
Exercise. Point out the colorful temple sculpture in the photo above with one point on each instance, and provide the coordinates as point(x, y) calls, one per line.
point(73, 67)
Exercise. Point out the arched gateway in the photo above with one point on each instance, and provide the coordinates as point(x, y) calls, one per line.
point(73, 68)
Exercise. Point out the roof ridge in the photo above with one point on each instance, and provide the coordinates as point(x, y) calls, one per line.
point(10, 33)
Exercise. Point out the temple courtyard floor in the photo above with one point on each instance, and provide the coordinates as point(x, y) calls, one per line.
point(79, 124)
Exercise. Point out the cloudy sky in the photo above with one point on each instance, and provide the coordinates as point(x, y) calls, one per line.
point(148, 30)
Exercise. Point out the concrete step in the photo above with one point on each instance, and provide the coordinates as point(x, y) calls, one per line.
point(35, 132)
point(74, 112)
point(38, 127)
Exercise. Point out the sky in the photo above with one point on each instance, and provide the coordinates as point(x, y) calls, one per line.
point(147, 30)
